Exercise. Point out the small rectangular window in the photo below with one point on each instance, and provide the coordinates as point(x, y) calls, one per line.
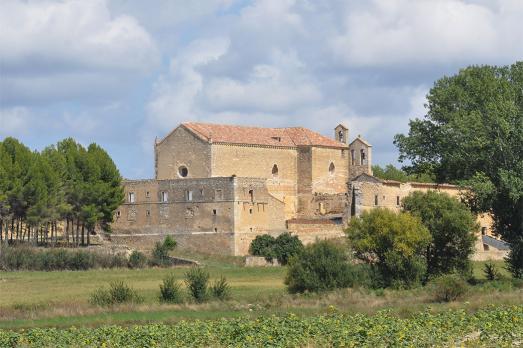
point(397, 200)
point(188, 195)
point(147, 194)
point(251, 195)
point(147, 213)
point(375, 199)
point(131, 197)
point(352, 157)
point(164, 196)
point(118, 213)
point(214, 212)
point(250, 211)
point(362, 156)
point(483, 231)
point(215, 229)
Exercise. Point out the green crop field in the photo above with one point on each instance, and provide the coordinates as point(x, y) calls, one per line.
point(494, 326)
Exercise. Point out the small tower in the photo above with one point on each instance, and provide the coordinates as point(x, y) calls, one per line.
point(341, 134)
point(360, 158)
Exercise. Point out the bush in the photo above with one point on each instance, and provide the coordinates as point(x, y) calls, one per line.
point(196, 280)
point(393, 244)
point(451, 225)
point(160, 255)
point(514, 259)
point(33, 259)
point(220, 289)
point(449, 287)
point(280, 248)
point(263, 245)
point(170, 290)
point(286, 246)
point(490, 271)
point(320, 267)
point(117, 293)
point(137, 259)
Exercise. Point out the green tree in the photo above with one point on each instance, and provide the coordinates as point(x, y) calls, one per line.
point(287, 246)
point(389, 172)
point(472, 134)
point(393, 244)
point(321, 266)
point(263, 245)
point(451, 225)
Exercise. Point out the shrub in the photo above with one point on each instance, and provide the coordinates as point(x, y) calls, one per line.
point(451, 225)
point(170, 290)
point(263, 245)
point(280, 248)
point(137, 259)
point(320, 267)
point(393, 244)
point(220, 289)
point(449, 287)
point(286, 246)
point(160, 255)
point(514, 259)
point(490, 271)
point(196, 280)
point(117, 293)
point(27, 258)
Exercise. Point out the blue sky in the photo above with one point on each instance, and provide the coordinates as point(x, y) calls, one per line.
point(122, 72)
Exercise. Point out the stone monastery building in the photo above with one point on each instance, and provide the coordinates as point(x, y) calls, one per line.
point(219, 186)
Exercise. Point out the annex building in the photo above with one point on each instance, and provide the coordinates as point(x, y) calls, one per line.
point(217, 187)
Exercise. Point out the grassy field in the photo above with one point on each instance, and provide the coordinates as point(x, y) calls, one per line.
point(30, 299)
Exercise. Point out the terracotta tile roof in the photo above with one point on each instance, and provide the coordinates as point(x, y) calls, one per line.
point(286, 137)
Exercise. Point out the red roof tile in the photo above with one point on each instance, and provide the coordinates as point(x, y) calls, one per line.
point(286, 137)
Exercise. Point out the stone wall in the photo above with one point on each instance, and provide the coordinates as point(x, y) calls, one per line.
point(182, 148)
point(330, 170)
point(310, 230)
point(193, 205)
point(209, 243)
point(258, 162)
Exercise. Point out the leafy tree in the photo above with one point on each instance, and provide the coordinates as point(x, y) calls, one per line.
point(63, 182)
point(280, 248)
point(286, 246)
point(473, 135)
point(321, 266)
point(452, 227)
point(263, 245)
point(393, 244)
point(389, 172)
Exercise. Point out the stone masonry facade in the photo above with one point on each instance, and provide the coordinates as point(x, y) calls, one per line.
point(217, 187)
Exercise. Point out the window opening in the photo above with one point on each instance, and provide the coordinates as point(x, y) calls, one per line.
point(275, 171)
point(183, 171)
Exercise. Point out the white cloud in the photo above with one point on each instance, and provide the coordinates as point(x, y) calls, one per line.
point(44, 45)
point(14, 120)
point(391, 32)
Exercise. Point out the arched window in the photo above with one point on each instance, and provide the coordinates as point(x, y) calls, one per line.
point(340, 136)
point(331, 168)
point(362, 157)
point(274, 171)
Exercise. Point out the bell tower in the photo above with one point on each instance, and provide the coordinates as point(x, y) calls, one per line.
point(341, 134)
